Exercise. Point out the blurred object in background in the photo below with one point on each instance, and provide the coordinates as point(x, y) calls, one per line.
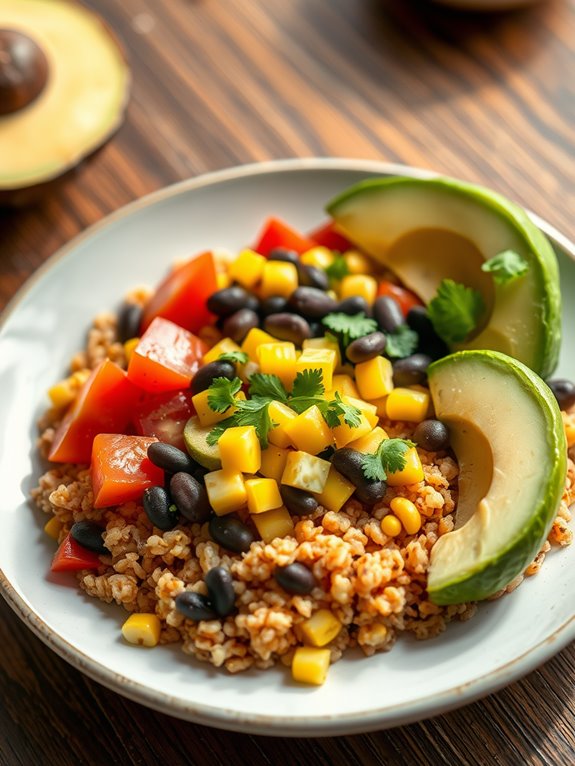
point(64, 86)
point(487, 5)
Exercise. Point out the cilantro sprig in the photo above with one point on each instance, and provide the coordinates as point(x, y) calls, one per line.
point(235, 357)
point(337, 269)
point(401, 343)
point(506, 267)
point(455, 311)
point(389, 458)
point(349, 327)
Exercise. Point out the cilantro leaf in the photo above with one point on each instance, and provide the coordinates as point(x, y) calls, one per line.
point(250, 412)
point(347, 327)
point(214, 435)
point(264, 386)
point(401, 343)
point(221, 393)
point(506, 267)
point(389, 458)
point(337, 269)
point(339, 409)
point(455, 310)
point(308, 383)
point(235, 357)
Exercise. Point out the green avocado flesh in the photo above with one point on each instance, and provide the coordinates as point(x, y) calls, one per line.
point(507, 433)
point(195, 437)
point(429, 230)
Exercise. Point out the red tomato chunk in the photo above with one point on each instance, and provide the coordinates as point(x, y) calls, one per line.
point(278, 234)
point(121, 469)
point(406, 299)
point(164, 416)
point(72, 557)
point(327, 236)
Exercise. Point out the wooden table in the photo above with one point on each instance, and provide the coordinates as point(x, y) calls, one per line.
point(219, 83)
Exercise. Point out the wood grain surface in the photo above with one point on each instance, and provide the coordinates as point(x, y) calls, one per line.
point(221, 82)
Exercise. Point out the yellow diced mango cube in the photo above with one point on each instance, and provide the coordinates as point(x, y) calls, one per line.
point(370, 442)
point(253, 339)
point(320, 257)
point(53, 527)
point(321, 628)
point(224, 346)
point(240, 449)
point(206, 415)
point(142, 629)
point(226, 491)
point(358, 284)
point(278, 278)
point(278, 358)
point(272, 524)
point(344, 385)
point(411, 473)
point(366, 408)
point(325, 342)
point(247, 268)
point(407, 404)
point(358, 263)
point(310, 665)
point(323, 359)
point(309, 432)
point(374, 378)
point(305, 471)
point(344, 434)
point(380, 406)
point(273, 462)
point(336, 492)
point(282, 415)
point(263, 495)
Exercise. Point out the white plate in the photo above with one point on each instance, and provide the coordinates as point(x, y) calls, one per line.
point(45, 325)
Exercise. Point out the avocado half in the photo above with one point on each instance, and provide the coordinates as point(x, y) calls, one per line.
point(434, 229)
point(506, 430)
point(64, 86)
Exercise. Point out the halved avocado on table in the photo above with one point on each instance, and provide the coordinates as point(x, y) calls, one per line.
point(64, 85)
point(507, 433)
point(434, 229)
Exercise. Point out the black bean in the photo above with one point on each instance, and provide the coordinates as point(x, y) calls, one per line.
point(190, 497)
point(349, 463)
point(231, 533)
point(368, 347)
point(220, 585)
point(353, 305)
point(195, 606)
point(129, 321)
point(387, 313)
point(298, 501)
point(311, 276)
point(230, 299)
point(238, 325)
point(88, 534)
point(295, 578)
point(287, 326)
point(418, 319)
point(316, 329)
point(158, 507)
point(170, 458)
point(205, 376)
point(412, 370)
point(432, 435)
point(564, 392)
point(275, 304)
point(283, 254)
point(311, 303)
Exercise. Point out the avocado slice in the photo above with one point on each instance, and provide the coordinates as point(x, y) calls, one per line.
point(195, 438)
point(434, 229)
point(507, 432)
point(54, 119)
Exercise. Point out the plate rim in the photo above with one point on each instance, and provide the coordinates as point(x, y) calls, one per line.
point(234, 720)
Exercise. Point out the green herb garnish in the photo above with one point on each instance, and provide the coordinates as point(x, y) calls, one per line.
point(264, 386)
point(337, 269)
point(389, 458)
point(506, 267)
point(222, 392)
point(455, 310)
point(347, 327)
point(401, 343)
point(235, 357)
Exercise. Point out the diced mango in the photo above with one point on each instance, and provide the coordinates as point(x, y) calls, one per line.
point(263, 495)
point(272, 524)
point(206, 415)
point(223, 280)
point(325, 342)
point(321, 628)
point(240, 450)
point(358, 284)
point(224, 346)
point(411, 473)
point(336, 492)
point(304, 471)
point(253, 339)
point(53, 527)
point(247, 268)
point(143, 629)
point(344, 385)
point(310, 665)
point(278, 278)
point(366, 408)
point(320, 257)
point(322, 359)
point(407, 404)
point(357, 263)
point(273, 462)
point(282, 415)
point(309, 431)
point(278, 358)
point(370, 442)
point(226, 491)
point(374, 378)
point(380, 406)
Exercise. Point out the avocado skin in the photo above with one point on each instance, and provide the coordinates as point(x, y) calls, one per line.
point(543, 262)
point(496, 573)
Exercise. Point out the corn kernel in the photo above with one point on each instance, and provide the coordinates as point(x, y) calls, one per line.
point(325, 342)
point(320, 257)
point(226, 491)
point(272, 524)
point(223, 280)
point(322, 359)
point(282, 415)
point(390, 525)
point(344, 385)
point(344, 433)
point(357, 263)
point(336, 492)
point(142, 629)
point(321, 628)
point(53, 527)
point(407, 513)
point(358, 284)
point(310, 665)
point(206, 415)
point(411, 473)
point(374, 378)
point(263, 495)
point(64, 392)
point(309, 431)
point(278, 358)
point(224, 346)
point(304, 471)
point(407, 404)
point(370, 442)
point(569, 428)
point(278, 278)
point(240, 449)
point(129, 347)
point(273, 462)
point(247, 268)
point(253, 339)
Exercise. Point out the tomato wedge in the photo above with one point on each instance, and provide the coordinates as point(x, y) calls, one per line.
point(103, 404)
point(166, 357)
point(121, 469)
point(276, 233)
point(406, 299)
point(181, 297)
point(164, 416)
point(72, 557)
point(327, 236)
